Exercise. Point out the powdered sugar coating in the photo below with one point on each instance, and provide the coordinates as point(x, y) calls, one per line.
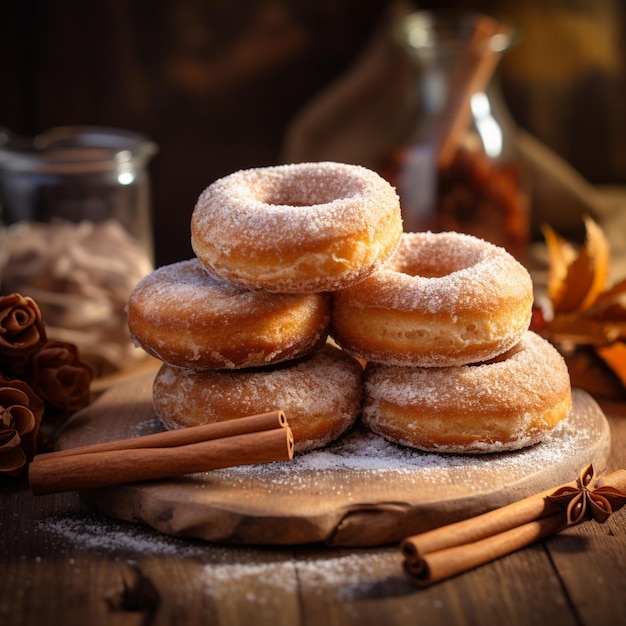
point(320, 395)
point(448, 273)
point(297, 227)
point(182, 315)
point(506, 404)
point(443, 299)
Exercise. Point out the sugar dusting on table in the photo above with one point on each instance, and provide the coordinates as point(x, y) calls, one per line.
point(345, 576)
point(264, 576)
point(103, 535)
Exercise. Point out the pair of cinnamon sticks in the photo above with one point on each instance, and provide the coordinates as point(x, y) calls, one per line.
point(443, 552)
point(247, 440)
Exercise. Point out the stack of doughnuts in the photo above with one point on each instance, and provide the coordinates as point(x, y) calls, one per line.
point(305, 295)
point(451, 364)
point(242, 328)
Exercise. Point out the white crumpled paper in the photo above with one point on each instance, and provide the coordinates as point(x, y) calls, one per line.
point(80, 275)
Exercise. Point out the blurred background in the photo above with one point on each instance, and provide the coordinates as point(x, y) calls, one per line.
point(217, 83)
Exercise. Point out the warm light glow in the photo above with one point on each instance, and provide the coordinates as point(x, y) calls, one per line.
point(418, 36)
point(125, 178)
point(488, 129)
point(499, 42)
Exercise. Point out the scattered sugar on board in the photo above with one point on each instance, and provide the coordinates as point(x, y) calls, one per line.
point(361, 450)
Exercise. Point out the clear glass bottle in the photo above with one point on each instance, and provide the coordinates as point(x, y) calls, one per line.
point(479, 188)
point(77, 232)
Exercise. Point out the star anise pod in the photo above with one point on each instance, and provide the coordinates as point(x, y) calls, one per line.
point(588, 500)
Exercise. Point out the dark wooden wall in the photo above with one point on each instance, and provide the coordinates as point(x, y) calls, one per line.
point(216, 82)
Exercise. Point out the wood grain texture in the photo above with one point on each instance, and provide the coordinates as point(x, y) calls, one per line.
point(61, 562)
point(593, 556)
point(342, 496)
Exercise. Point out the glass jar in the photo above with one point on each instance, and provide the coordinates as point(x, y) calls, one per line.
point(476, 185)
point(77, 232)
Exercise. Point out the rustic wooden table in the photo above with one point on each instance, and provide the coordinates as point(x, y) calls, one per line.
point(64, 563)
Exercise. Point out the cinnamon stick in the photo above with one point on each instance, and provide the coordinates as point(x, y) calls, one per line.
point(437, 566)
point(476, 64)
point(443, 552)
point(182, 436)
point(93, 470)
point(480, 527)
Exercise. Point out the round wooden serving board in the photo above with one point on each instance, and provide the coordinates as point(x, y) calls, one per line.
point(359, 491)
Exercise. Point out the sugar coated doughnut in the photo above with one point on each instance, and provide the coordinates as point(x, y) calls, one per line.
point(304, 227)
point(183, 316)
point(444, 299)
point(505, 404)
point(321, 395)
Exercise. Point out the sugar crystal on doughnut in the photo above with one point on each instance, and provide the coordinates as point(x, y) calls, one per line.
point(305, 227)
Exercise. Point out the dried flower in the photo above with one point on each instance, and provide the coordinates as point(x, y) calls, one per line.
point(588, 318)
point(21, 411)
point(60, 377)
point(21, 328)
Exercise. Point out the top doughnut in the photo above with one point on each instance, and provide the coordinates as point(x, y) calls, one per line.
point(297, 228)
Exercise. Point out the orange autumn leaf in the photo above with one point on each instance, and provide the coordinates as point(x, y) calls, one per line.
point(599, 250)
point(561, 254)
point(575, 280)
point(582, 330)
point(614, 356)
point(589, 315)
point(610, 304)
point(588, 371)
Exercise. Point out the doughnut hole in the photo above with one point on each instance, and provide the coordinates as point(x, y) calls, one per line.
point(433, 265)
point(304, 190)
